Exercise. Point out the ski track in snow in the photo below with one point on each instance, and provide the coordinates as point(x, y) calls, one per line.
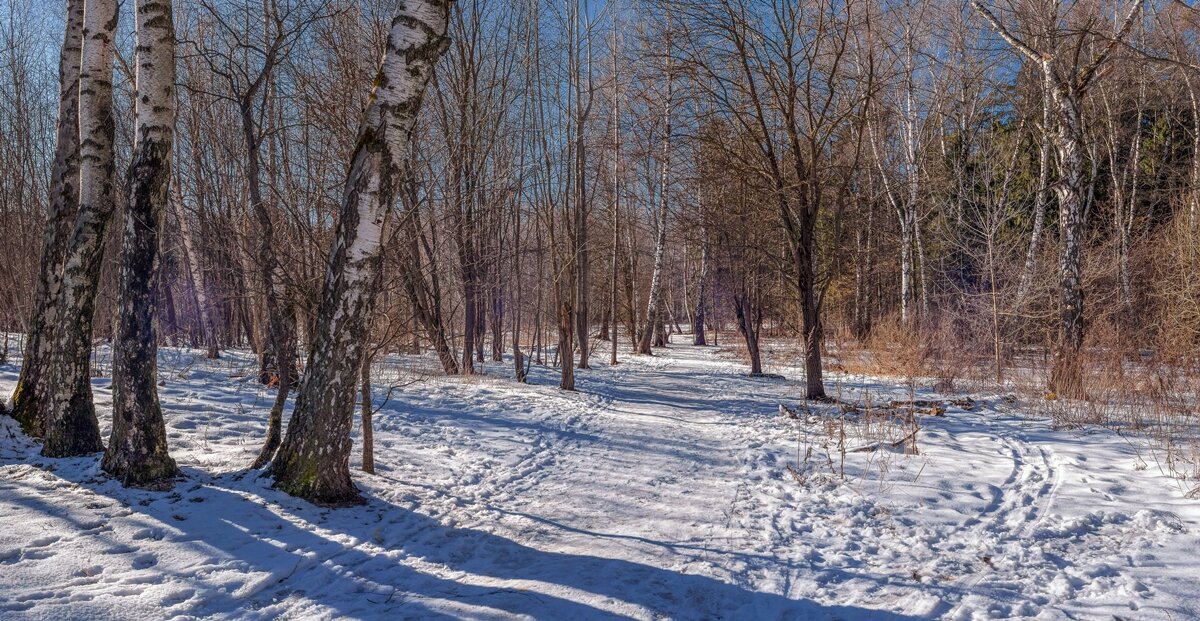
point(659, 490)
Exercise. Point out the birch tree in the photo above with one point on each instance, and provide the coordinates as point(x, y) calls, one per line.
point(654, 297)
point(71, 426)
point(137, 449)
point(28, 403)
point(313, 461)
point(614, 181)
point(1069, 67)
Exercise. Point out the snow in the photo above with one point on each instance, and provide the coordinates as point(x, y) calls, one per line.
point(661, 489)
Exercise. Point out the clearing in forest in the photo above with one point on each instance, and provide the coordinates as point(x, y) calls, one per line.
point(666, 487)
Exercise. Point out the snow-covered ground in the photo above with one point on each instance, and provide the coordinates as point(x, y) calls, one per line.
point(661, 489)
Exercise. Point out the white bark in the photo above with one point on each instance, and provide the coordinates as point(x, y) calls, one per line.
point(28, 403)
point(71, 427)
point(313, 461)
point(654, 300)
point(1042, 194)
point(137, 450)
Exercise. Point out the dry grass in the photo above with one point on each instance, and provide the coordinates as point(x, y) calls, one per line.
point(1150, 392)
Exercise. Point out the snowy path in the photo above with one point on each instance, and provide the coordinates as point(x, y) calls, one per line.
point(659, 490)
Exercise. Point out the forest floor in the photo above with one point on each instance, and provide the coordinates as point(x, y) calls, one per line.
point(666, 487)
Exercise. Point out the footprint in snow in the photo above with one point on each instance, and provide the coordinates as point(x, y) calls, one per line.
point(89, 572)
point(42, 542)
point(177, 598)
point(145, 561)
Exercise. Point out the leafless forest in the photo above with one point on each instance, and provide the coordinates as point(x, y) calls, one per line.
point(979, 193)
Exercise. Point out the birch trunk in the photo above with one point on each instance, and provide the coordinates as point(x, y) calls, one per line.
point(583, 282)
point(580, 237)
point(1066, 376)
point(28, 405)
point(909, 229)
point(615, 188)
point(1125, 201)
point(654, 300)
point(137, 449)
point(1194, 186)
point(906, 262)
point(612, 286)
point(701, 287)
point(1067, 93)
point(1039, 200)
point(71, 427)
point(313, 461)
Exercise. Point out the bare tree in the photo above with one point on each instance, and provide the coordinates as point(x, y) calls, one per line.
point(71, 426)
point(313, 461)
point(783, 76)
point(137, 450)
point(1069, 68)
point(28, 403)
point(654, 303)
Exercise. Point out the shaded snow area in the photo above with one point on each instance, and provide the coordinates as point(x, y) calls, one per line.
point(668, 487)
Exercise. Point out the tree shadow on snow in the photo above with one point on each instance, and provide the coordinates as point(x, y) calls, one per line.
point(384, 561)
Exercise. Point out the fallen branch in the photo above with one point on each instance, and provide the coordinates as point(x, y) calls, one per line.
point(874, 446)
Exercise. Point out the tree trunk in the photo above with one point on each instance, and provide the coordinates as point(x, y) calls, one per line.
point(313, 461)
point(516, 293)
point(631, 301)
point(28, 405)
point(425, 296)
point(277, 364)
point(480, 326)
point(1193, 197)
point(1066, 377)
point(497, 321)
point(71, 426)
point(653, 319)
point(1040, 198)
point(813, 331)
point(137, 449)
point(582, 264)
point(748, 328)
point(906, 264)
point(1067, 93)
point(701, 289)
point(469, 318)
point(197, 275)
point(280, 346)
point(615, 187)
point(368, 432)
point(275, 419)
point(612, 289)
point(566, 346)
